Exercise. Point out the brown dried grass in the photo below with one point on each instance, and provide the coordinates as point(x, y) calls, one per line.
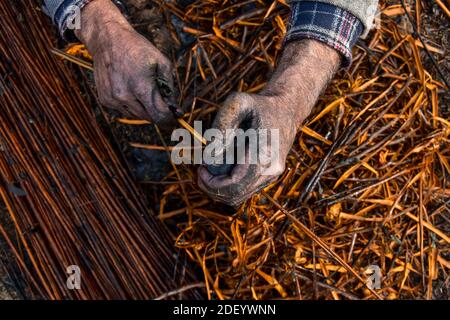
point(366, 181)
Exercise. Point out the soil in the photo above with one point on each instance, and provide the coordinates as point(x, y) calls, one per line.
point(8, 287)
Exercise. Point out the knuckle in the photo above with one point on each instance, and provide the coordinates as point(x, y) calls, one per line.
point(238, 98)
point(234, 98)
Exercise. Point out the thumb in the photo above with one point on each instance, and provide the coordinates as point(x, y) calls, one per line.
point(234, 112)
point(231, 116)
point(147, 92)
point(165, 83)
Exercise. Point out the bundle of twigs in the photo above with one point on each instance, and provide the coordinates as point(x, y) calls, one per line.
point(65, 190)
point(366, 182)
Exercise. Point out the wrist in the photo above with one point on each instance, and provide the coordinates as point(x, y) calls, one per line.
point(304, 70)
point(100, 20)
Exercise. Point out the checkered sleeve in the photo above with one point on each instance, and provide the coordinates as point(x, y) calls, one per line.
point(325, 22)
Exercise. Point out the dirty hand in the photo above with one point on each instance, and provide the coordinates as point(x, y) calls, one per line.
point(304, 70)
point(128, 69)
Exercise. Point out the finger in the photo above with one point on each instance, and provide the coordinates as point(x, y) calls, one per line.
point(235, 110)
point(224, 183)
point(103, 86)
point(243, 181)
point(147, 93)
point(220, 188)
point(166, 88)
point(232, 190)
point(124, 100)
point(230, 187)
point(135, 108)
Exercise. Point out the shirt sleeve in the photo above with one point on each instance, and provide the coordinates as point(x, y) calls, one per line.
point(62, 13)
point(329, 23)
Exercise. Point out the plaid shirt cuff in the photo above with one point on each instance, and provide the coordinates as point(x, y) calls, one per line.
point(327, 23)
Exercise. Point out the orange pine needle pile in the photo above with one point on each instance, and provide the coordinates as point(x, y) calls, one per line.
point(366, 182)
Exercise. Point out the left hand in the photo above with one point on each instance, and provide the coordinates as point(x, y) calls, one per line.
point(304, 70)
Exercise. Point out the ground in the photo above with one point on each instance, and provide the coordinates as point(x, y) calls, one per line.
point(434, 30)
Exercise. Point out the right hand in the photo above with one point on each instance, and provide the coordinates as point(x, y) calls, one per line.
point(127, 67)
point(259, 112)
point(304, 70)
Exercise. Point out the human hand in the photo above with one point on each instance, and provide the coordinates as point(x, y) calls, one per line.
point(131, 75)
point(257, 112)
point(304, 70)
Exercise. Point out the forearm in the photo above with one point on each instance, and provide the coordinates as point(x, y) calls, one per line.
point(320, 39)
point(303, 72)
point(100, 19)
